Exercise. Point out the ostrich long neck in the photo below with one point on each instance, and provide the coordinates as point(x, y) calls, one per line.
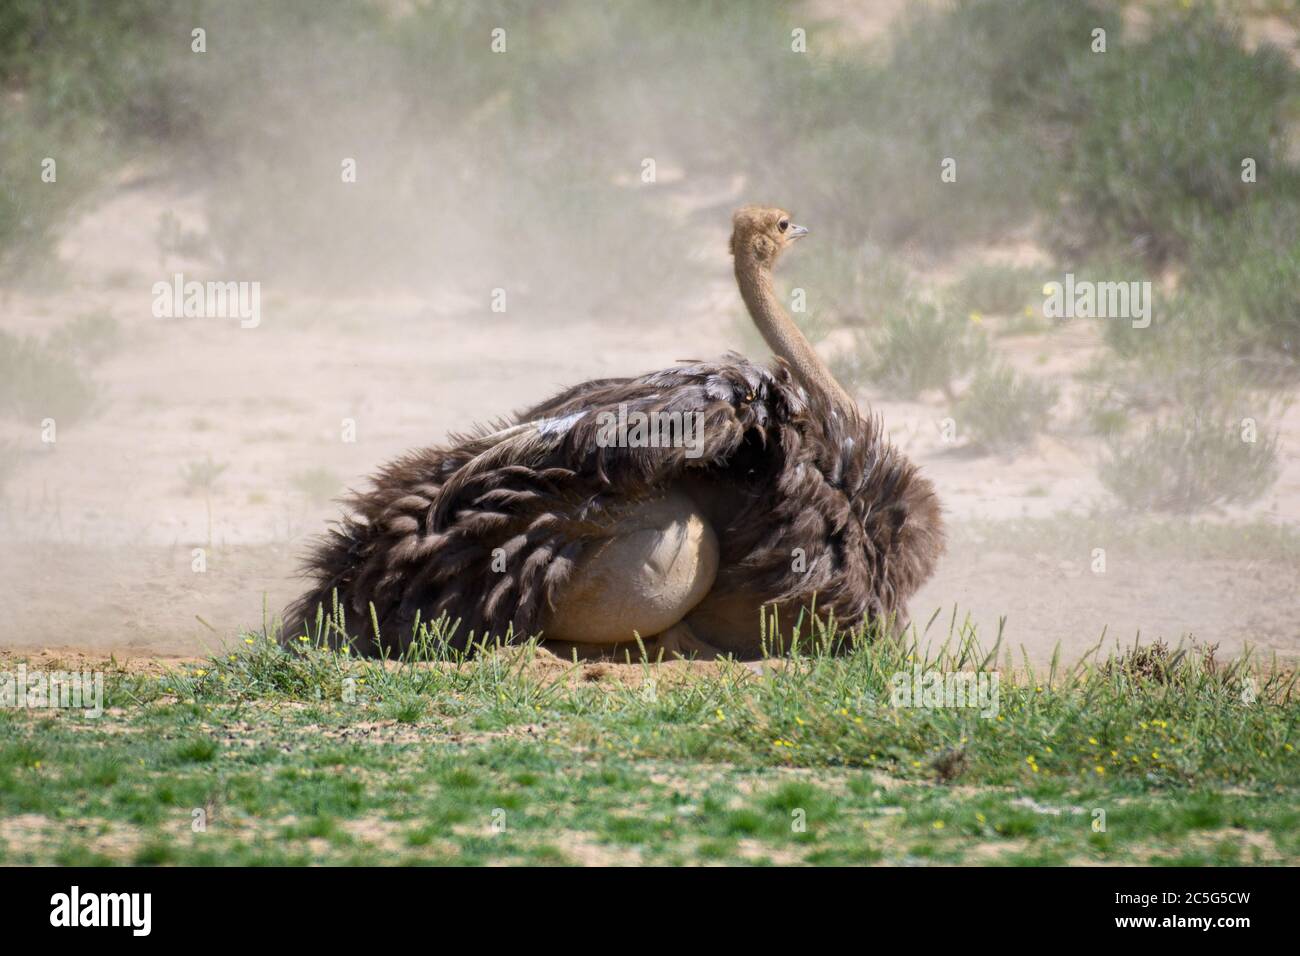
point(783, 336)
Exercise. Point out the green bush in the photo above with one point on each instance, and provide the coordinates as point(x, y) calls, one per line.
point(318, 485)
point(976, 83)
point(10, 457)
point(38, 382)
point(474, 170)
point(996, 290)
point(1153, 162)
point(32, 210)
point(1249, 273)
point(1001, 410)
point(1139, 147)
point(82, 78)
point(200, 475)
point(1189, 461)
point(107, 64)
point(1105, 417)
point(919, 345)
point(92, 337)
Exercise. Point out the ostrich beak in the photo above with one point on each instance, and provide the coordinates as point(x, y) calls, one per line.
point(795, 232)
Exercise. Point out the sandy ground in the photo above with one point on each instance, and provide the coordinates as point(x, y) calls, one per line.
point(99, 532)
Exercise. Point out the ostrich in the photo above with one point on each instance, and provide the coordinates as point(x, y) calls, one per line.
point(789, 500)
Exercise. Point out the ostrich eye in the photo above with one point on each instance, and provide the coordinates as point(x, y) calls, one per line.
point(783, 225)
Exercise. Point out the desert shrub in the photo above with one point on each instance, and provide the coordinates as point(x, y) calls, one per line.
point(1225, 318)
point(319, 485)
point(1248, 275)
point(1188, 461)
point(1153, 161)
point(976, 83)
point(1150, 133)
point(92, 337)
point(551, 206)
point(174, 239)
point(1106, 404)
point(105, 63)
point(920, 345)
point(86, 77)
point(1104, 416)
point(31, 210)
point(38, 382)
point(739, 101)
point(1002, 410)
point(1158, 663)
point(995, 290)
point(1175, 317)
point(10, 456)
point(200, 475)
point(1201, 350)
point(52, 378)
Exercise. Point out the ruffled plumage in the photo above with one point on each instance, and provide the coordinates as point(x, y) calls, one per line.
point(488, 528)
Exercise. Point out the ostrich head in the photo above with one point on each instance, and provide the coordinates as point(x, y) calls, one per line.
point(759, 235)
point(762, 233)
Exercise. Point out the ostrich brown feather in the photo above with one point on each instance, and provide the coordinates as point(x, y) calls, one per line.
point(810, 503)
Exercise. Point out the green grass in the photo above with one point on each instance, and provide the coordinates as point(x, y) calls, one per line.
point(515, 757)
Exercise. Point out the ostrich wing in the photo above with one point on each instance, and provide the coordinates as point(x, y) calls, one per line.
point(487, 529)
